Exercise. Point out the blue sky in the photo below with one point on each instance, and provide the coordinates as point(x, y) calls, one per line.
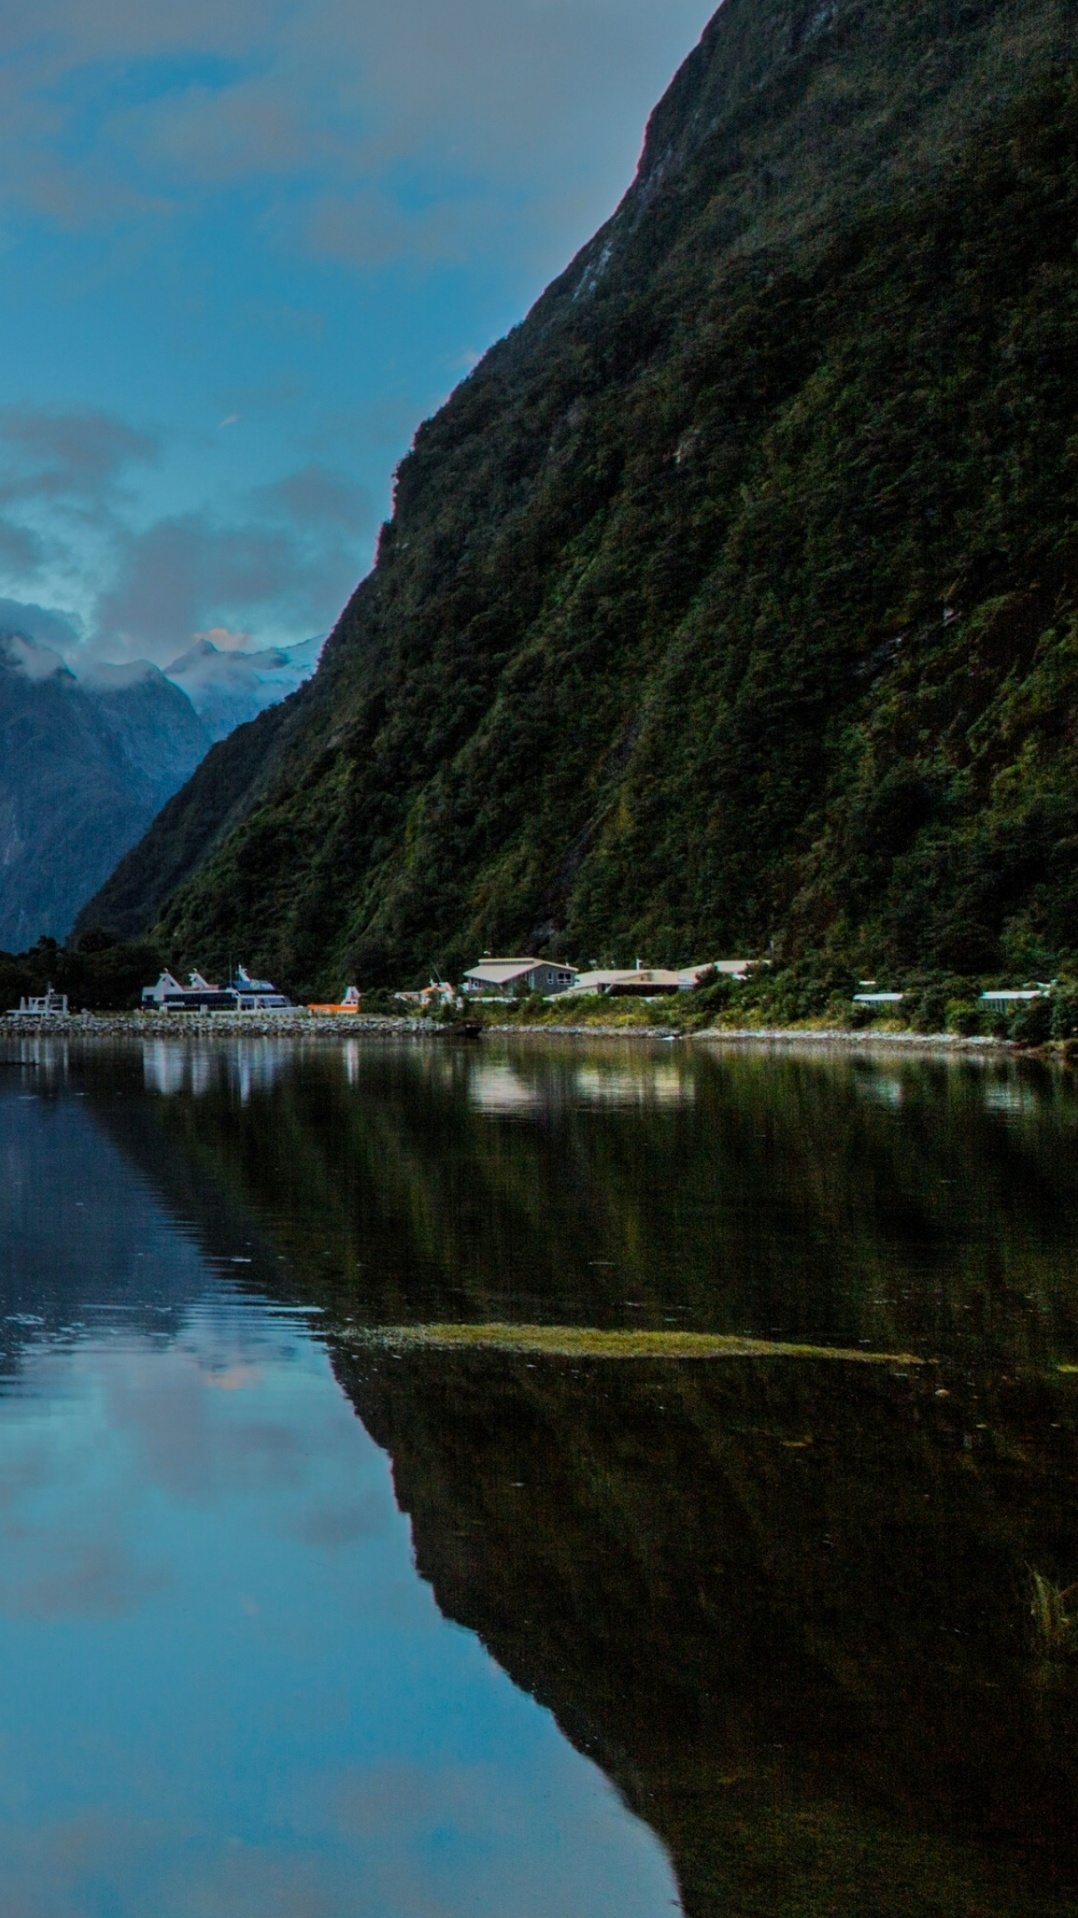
point(247, 245)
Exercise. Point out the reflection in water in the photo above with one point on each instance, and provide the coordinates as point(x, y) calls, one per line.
point(904, 1204)
point(784, 1605)
point(225, 1691)
point(784, 1609)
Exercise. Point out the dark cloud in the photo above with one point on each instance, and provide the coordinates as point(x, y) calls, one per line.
point(317, 496)
point(77, 456)
point(101, 1576)
point(214, 153)
point(331, 1526)
point(183, 575)
point(46, 625)
point(22, 551)
point(288, 560)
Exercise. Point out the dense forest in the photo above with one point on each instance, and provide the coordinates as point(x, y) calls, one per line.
point(730, 603)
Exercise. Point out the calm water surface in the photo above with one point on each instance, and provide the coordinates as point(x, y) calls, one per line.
point(296, 1619)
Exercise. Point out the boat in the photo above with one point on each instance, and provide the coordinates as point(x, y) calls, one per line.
point(258, 995)
point(48, 1005)
point(201, 995)
point(350, 1003)
point(456, 1029)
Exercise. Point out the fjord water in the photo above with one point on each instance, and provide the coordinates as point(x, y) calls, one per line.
point(297, 1614)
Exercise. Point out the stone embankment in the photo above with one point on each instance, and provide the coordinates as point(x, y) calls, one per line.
point(304, 1025)
point(213, 1025)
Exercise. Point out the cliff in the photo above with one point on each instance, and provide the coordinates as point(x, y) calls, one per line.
point(730, 600)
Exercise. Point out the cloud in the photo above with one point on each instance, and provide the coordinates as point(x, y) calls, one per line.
point(185, 574)
point(66, 484)
point(281, 562)
point(22, 551)
point(195, 161)
point(98, 1577)
point(318, 496)
point(77, 457)
point(329, 1527)
point(287, 560)
point(45, 624)
point(358, 126)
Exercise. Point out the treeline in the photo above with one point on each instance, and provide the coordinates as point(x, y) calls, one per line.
point(97, 973)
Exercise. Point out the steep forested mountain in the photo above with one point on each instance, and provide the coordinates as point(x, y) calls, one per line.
point(731, 599)
point(84, 766)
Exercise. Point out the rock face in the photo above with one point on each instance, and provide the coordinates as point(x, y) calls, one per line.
point(84, 766)
point(731, 598)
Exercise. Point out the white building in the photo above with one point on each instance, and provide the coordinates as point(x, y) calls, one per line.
point(690, 976)
point(507, 978)
point(638, 982)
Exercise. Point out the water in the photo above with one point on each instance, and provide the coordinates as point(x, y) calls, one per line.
point(223, 1687)
point(298, 1618)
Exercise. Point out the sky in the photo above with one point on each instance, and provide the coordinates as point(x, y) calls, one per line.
point(247, 245)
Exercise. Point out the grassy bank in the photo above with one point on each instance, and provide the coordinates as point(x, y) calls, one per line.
point(580, 1341)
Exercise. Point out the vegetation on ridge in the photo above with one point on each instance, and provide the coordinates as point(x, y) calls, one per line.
point(731, 601)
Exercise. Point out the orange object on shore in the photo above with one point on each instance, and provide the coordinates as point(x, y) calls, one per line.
point(350, 1003)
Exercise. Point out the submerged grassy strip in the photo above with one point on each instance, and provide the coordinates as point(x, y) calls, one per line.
point(581, 1341)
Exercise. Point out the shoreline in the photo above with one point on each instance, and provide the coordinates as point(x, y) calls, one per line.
point(219, 1025)
point(138, 1025)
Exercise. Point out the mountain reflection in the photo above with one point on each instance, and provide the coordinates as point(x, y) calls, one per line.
point(784, 1604)
point(905, 1204)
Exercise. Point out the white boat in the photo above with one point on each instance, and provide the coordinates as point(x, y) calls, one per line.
point(49, 1005)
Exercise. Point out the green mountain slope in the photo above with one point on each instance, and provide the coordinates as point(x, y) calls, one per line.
point(731, 599)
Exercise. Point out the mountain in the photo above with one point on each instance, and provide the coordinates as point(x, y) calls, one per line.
point(730, 600)
point(227, 688)
point(84, 766)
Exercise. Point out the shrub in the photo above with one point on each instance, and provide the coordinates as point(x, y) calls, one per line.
point(925, 1010)
point(1064, 1023)
point(966, 1017)
point(1031, 1024)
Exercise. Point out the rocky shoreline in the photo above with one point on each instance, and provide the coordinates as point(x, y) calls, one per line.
point(304, 1025)
point(213, 1025)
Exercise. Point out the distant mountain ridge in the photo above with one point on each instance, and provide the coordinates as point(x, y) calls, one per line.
point(84, 766)
point(88, 757)
point(731, 600)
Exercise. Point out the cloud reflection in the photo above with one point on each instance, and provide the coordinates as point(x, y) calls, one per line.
point(284, 1722)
